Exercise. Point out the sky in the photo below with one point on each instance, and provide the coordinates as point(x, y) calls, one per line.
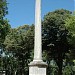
point(21, 12)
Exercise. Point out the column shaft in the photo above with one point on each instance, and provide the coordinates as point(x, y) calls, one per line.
point(37, 43)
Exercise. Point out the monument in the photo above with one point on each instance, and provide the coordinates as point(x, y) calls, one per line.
point(2, 72)
point(37, 66)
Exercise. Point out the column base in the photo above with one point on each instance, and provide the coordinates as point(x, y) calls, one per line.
point(37, 68)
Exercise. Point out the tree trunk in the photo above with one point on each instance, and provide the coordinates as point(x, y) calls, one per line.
point(60, 62)
point(60, 70)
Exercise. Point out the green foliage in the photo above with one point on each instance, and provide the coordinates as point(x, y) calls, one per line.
point(3, 8)
point(22, 36)
point(67, 70)
point(4, 30)
point(4, 26)
point(20, 41)
point(70, 25)
point(55, 36)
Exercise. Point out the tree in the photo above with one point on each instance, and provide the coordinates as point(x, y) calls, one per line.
point(20, 41)
point(3, 8)
point(55, 36)
point(4, 30)
point(4, 26)
point(70, 25)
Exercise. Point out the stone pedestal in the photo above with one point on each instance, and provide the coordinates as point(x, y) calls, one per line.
point(2, 72)
point(37, 68)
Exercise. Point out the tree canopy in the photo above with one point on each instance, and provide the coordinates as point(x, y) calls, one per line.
point(70, 25)
point(20, 42)
point(4, 25)
point(3, 8)
point(55, 36)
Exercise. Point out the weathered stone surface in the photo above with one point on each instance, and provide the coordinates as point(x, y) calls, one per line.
point(2, 72)
point(35, 70)
point(37, 41)
point(38, 63)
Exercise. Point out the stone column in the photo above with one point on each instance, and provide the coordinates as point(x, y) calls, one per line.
point(37, 42)
point(37, 66)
